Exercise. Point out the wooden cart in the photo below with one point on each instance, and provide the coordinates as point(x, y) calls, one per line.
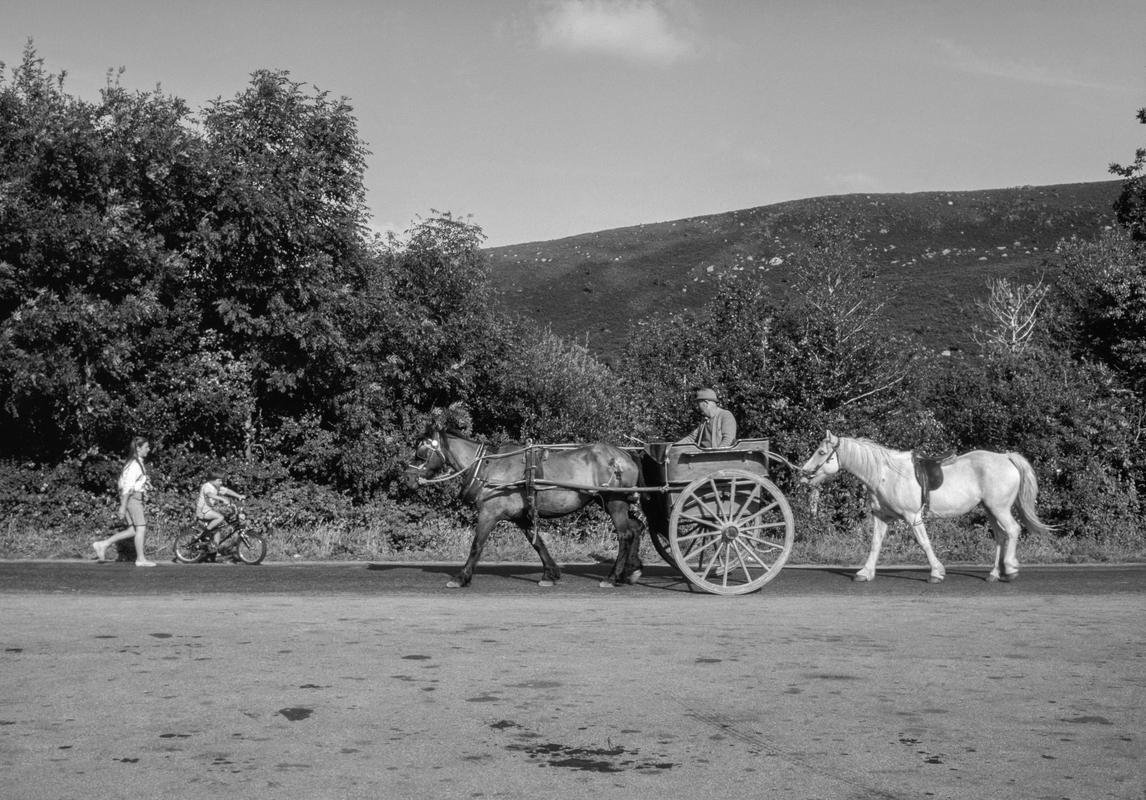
point(715, 515)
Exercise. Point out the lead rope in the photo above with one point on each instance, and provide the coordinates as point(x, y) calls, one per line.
point(776, 457)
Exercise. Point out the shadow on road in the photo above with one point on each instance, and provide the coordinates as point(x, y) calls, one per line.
point(663, 578)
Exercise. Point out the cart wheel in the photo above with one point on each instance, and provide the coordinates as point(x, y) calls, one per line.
point(731, 532)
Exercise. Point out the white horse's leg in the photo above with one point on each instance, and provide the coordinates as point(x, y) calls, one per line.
point(1000, 543)
point(878, 531)
point(1007, 530)
point(938, 573)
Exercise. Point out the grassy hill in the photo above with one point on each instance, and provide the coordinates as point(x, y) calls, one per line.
point(934, 250)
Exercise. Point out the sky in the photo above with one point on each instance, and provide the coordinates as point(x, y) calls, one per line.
point(539, 119)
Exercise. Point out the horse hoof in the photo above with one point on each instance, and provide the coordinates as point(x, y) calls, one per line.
point(607, 585)
point(1011, 578)
point(860, 578)
point(992, 578)
point(453, 585)
point(546, 584)
point(636, 576)
point(935, 579)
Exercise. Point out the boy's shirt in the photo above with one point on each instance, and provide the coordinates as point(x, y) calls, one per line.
point(209, 497)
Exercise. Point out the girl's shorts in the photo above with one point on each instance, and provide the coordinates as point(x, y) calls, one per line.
point(135, 511)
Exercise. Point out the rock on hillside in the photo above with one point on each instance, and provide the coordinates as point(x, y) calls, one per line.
point(934, 251)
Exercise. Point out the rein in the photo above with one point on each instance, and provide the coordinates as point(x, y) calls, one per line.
point(443, 478)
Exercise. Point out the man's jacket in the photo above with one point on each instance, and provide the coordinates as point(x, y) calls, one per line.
point(718, 431)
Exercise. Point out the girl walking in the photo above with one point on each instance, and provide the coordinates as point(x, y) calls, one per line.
point(132, 486)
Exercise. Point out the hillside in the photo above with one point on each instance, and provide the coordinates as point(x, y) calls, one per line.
point(934, 251)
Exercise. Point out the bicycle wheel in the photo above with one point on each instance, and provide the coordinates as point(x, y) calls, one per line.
point(250, 548)
point(189, 547)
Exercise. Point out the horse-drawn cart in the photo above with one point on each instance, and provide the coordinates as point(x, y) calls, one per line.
point(712, 513)
point(715, 515)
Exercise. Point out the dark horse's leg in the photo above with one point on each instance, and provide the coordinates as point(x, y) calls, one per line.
point(627, 566)
point(551, 573)
point(485, 523)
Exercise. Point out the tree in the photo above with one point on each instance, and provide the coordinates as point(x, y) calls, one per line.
point(422, 332)
point(1070, 418)
point(430, 322)
point(96, 196)
point(550, 389)
point(1010, 314)
point(282, 249)
point(1102, 295)
point(787, 365)
point(1131, 204)
point(154, 267)
point(840, 363)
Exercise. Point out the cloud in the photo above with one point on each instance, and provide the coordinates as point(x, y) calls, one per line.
point(638, 30)
point(960, 58)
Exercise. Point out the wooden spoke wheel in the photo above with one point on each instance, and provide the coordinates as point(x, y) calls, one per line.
point(731, 532)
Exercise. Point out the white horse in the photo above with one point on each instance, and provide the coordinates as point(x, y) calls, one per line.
point(997, 481)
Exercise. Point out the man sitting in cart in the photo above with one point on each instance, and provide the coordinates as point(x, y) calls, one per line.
point(719, 426)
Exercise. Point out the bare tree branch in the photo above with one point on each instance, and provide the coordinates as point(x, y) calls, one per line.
point(1010, 313)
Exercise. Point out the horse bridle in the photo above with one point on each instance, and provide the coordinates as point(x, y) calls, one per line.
point(811, 473)
point(434, 445)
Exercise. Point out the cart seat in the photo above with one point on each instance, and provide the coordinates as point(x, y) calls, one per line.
point(669, 462)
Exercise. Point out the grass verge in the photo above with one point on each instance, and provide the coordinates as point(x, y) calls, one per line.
point(584, 540)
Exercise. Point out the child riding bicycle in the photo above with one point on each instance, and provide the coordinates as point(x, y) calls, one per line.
point(214, 507)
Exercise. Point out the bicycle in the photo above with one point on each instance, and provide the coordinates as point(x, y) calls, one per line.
point(239, 542)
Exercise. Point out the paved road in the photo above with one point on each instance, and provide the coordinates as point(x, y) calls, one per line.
point(373, 681)
point(521, 579)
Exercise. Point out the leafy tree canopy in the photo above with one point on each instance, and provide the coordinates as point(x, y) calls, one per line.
point(1131, 204)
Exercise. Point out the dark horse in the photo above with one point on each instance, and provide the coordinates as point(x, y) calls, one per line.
point(519, 483)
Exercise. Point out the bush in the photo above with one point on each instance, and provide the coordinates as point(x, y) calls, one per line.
point(1070, 419)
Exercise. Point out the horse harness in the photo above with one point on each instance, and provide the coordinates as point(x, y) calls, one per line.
point(533, 470)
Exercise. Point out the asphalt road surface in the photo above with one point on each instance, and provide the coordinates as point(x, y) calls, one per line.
point(375, 681)
point(426, 580)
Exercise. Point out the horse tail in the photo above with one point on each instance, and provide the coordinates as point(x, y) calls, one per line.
point(1028, 493)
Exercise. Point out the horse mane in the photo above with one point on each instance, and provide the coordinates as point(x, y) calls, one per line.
point(872, 456)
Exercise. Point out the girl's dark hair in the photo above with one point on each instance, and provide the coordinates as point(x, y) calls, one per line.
point(136, 443)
